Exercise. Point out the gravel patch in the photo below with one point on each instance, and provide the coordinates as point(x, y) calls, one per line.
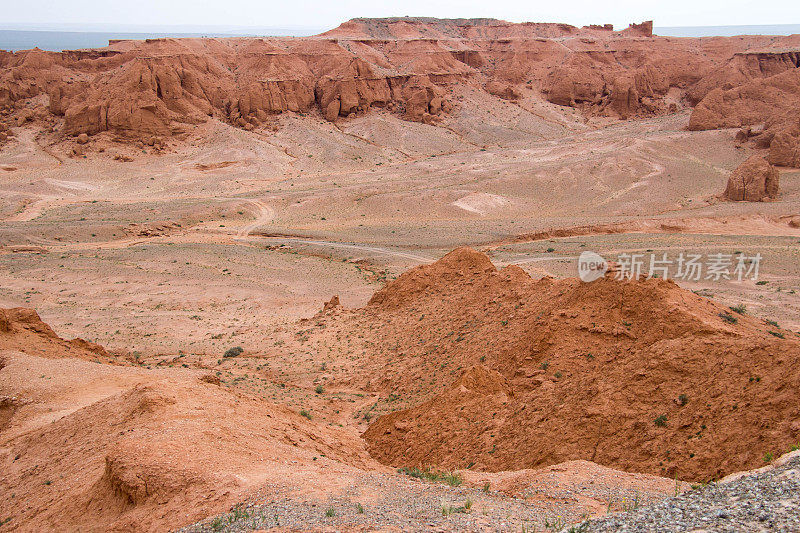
point(391, 502)
point(768, 500)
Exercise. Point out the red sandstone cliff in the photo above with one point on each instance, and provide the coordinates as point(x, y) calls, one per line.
point(161, 87)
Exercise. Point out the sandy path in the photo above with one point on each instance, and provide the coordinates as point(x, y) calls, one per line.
point(33, 210)
point(361, 247)
point(264, 214)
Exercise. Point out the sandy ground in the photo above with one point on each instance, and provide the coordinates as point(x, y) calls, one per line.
point(273, 226)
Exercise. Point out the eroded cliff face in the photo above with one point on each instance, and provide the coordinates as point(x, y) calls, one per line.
point(162, 87)
point(760, 93)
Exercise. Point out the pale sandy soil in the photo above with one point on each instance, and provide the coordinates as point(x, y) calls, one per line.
point(272, 226)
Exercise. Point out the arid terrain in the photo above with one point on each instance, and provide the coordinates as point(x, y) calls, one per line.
point(330, 283)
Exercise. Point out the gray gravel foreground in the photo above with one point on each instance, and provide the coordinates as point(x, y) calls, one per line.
point(764, 501)
point(395, 502)
point(399, 504)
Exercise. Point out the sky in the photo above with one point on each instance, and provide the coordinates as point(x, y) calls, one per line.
point(323, 14)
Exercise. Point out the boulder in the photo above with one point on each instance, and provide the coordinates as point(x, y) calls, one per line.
point(332, 304)
point(332, 110)
point(83, 138)
point(502, 90)
point(755, 180)
point(784, 150)
point(436, 106)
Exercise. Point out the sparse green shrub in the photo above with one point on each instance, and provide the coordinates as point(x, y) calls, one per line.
point(683, 400)
point(741, 309)
point(331, 512)
point(768, 457)
point(305, 413)
point(557, 524)
point(631, 505)
point(661, 421)
point(729, 318)
point(447, 510)
point(451, 478)
point(359, 508)
point(234, 352)
point(319, 389)
point(776, 334)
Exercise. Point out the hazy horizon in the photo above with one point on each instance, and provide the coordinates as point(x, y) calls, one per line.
point(67, 36)
point(322, 14)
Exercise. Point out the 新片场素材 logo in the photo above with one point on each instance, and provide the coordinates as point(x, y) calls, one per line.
point(591, 266)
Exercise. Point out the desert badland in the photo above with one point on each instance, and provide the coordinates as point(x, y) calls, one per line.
point(331, 283)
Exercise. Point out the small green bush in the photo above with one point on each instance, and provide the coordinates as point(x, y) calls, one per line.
point(234, 352)
point(451, 478)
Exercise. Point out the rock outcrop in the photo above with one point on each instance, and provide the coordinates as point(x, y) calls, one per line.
point(759, 93)
point(161, 87)
point(784, 148)
point(21, 329)
point(774, 99)
point(755, 180)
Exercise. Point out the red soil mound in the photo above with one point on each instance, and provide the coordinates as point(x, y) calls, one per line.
point(22, 330)
point(92, 447)
point(642, 375)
